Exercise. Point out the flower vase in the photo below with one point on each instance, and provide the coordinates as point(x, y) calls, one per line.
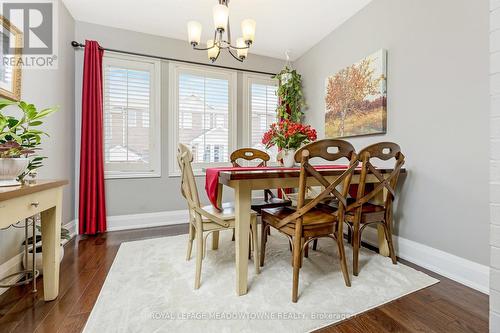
point(288, 156)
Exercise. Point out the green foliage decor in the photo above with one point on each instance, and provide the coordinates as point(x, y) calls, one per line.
point(290, 94)
point(18, 136)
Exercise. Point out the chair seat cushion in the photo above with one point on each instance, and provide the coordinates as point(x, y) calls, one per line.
point(315, 218)
point(261, 203)
point(227, 212)
point(370, 213)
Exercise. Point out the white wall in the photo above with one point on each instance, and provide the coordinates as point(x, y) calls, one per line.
point(437, 111)
point(46, 88)
point(495, 166)
point(148, 195)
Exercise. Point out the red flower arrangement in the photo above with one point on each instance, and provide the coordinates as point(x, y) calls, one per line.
point(288, 135)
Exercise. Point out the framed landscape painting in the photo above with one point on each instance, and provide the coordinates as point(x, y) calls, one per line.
point(356, 98)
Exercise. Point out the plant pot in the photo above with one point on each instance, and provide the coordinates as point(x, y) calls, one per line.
point(288, 156)
point(38, 257)
point(10, 169)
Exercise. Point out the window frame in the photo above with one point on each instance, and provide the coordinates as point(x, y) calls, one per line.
point(175, 69)
point(248, 80)
point(128, 170)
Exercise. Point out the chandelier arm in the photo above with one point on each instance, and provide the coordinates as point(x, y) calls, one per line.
point(217, 57)
point(203, 49)
point(239, 48)
point(235, 57)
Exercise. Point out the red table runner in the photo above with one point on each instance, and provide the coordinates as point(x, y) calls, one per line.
point(212, 177)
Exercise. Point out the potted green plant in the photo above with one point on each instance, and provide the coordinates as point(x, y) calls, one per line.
point(290, 95)
point(19, 141)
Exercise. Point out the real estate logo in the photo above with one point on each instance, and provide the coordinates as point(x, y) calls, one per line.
point(29, 34)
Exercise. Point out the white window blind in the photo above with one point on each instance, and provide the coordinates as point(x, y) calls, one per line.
point(131, 145)
point(203, 104)
point(262, 105)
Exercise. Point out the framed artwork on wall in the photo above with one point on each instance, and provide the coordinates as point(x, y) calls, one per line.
point(10, 64)
point(356, 98)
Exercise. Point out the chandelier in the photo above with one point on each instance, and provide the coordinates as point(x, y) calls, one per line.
point(218, 43)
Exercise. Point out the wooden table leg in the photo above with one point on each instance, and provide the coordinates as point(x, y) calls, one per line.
point(383, 247)
point(51, 240)
point(242, 214)
point(215, 234)
point(215, 240)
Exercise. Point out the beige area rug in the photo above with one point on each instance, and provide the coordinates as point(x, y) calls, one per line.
point(150, 289)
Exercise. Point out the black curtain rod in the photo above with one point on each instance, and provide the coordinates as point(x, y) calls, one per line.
point(75, 44)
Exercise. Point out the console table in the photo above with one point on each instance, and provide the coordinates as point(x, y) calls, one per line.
point(20, 202)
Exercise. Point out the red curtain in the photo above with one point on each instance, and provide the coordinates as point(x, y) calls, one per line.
point(92, 205)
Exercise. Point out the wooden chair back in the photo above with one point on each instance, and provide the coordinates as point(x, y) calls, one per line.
point(383, 151)
point(188, 183)
point(249, 154)
point(331, 150)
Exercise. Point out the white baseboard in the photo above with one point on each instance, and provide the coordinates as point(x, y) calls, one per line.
point(147, 220)
point(14, 264)
point(461, 270)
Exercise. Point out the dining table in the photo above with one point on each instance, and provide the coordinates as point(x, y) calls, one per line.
point(245, 180)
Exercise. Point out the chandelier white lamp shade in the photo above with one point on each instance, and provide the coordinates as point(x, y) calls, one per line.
point(222, 35)
point(248, 30)
point(194, 32)
point(221, 16)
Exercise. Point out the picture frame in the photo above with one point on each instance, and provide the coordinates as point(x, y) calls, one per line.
point(10, 64)
point(356, 98)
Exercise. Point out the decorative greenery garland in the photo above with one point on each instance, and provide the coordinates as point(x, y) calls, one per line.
point(290, 95)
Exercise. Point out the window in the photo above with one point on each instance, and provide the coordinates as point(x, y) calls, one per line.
point(186, 120)
point(132, 118)
point(203, 114)
point(131, 101)
point(261, 103)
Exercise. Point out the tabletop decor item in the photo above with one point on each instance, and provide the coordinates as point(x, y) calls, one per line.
point(356, 99)
point(288, 136)
point(19, 141)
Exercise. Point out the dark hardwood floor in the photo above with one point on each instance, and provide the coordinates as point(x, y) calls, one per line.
point(445, 307)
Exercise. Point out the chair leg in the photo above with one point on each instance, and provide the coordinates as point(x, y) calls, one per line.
point(263, 241)
point(356, 240)
point(250, 244)
point(255, 239)
point(306, 250)
point(343, 262)
point(315, 244)
point(199, 257)
point(232, 239)
point(297, 254)
point(388, 237)
point(215, 240)
point(190, 241)
point(269, 231)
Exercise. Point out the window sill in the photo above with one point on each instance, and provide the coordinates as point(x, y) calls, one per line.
point(130, 175)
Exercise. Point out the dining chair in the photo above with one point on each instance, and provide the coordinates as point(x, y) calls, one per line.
point(269, 200)
point(308, 221)
point(362, 212)
point(207, 219)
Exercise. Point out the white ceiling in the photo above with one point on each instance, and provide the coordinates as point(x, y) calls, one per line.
point(294, 25)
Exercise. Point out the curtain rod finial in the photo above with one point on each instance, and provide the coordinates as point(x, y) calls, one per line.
point(76, 44)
